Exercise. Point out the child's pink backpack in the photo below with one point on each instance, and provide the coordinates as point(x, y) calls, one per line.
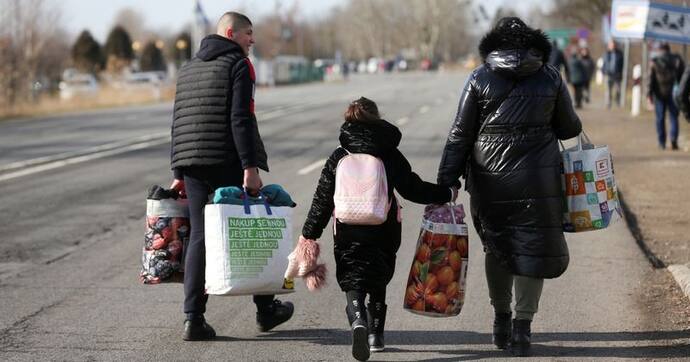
point(361, 190)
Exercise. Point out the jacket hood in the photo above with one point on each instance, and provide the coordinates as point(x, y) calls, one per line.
point(377, 137)
point(515, 50)
point(515, 62)
point(213, 46)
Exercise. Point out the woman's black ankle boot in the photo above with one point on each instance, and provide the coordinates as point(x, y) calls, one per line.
point(502, 330)
point(520, 344)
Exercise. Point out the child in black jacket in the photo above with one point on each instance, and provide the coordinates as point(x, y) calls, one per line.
point(365, 254)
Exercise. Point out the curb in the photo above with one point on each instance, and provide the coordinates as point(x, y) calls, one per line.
point(681, 273)
point(631, 220)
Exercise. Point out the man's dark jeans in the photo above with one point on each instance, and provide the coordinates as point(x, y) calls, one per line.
point(579, 89)
point(199, 183)
point(660, 107)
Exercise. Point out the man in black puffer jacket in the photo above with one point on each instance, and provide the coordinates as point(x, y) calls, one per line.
point(504, 142)
point(216, 143)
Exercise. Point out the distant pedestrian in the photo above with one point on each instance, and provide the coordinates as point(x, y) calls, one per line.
point(504, 141)
point(590, 68)
point(666, 71)
point(613, 70)
point(683, 95)
point(216, 143)
point(365, 254)
point(579, 76)
point(557, 59)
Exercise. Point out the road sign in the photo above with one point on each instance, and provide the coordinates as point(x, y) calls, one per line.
point(562, 36)
point(666, 22)
point(629, 18)
point(636, 19)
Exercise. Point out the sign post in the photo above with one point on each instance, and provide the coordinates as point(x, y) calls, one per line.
point(642, 20)
point(626, 60)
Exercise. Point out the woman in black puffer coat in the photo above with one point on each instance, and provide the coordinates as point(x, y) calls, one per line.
point(365, 254)
point(504, 142)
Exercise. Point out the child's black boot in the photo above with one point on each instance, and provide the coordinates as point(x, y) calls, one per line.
point(357, 315)
point(377, 322)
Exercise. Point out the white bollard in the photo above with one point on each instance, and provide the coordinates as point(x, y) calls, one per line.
point(636, 90)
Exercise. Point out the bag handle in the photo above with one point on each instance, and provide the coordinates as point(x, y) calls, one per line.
point(451, 206)
point(580, 138)
point(262, 196)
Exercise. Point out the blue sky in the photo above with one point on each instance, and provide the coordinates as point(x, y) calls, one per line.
point(97, 15)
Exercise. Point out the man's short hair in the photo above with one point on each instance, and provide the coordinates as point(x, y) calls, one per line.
point(234, 21)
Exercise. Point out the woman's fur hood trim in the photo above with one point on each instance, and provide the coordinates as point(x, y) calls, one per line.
point(506, 37)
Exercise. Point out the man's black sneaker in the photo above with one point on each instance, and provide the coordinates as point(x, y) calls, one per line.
point(277, 313)
point(198, 330)
point(674, 146)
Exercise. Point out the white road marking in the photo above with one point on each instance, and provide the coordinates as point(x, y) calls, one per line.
point(311, 167)
point(65, 155)
point(79, 159)
point(402, 121)
point(288, 109)
point(424, 109)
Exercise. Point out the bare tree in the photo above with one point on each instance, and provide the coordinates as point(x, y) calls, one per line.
point(582, 12)
point(133, 22)
point(382, 28)
point(537, 18)
point(32, 42)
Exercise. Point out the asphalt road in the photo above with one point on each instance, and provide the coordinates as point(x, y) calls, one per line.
point(72, 225)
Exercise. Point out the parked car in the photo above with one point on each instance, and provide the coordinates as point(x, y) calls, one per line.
point(78, 86)
point(144, 79)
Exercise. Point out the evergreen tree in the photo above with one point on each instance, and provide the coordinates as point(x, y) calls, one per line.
point(119, 44)
point(182, 48)
point(151, 58)
point(87, 54)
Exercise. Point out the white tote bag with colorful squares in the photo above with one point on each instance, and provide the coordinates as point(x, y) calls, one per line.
point(590, 193)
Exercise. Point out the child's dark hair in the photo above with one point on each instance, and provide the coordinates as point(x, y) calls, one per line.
point(362, 109)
